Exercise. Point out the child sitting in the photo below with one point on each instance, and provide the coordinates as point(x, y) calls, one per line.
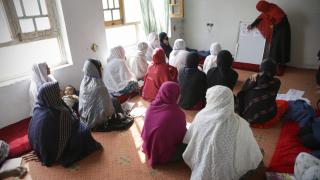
point(70, 97)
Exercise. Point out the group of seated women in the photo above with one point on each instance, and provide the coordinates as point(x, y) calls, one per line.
point(57, 134)
point(224, 149)
point(219, 144)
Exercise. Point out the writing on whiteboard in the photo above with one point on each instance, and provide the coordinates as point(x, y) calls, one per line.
point(245, 32)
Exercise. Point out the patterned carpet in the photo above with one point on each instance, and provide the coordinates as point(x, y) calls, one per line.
point(122, 158)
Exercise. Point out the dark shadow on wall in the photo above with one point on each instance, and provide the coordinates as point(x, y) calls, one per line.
point(298, 23)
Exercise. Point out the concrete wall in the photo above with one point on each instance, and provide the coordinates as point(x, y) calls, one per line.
point(226, 15)
point(82, 25)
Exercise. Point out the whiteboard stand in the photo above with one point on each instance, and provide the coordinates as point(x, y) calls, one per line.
point(250, 46)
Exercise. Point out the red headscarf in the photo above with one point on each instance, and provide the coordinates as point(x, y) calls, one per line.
point(271, 15)
point(158, 73)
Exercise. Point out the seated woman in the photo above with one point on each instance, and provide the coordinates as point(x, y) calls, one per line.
point(55, 133)
point(158, 73)
point(211, 60)
point(138, 63)
point(153, 43)
point(193, 84)
point(223, 74)
point(179, 54)
point(220, 143)
point(256, 101)
point(117, 75)
point(164, 43)
point(164, 127)
point(40, 75)
point(97, 109)
point(306, 167)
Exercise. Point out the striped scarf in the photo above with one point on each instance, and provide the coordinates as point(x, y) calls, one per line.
point(49, 96)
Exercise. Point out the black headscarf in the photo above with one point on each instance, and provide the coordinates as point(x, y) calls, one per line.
point(268, 67)
point(268, 70)
point(223, 74)
point(192, 60)
point(167, 48)
point(193, 82)
point(224, 60)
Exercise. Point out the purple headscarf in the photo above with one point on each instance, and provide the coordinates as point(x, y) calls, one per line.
point(164, 125)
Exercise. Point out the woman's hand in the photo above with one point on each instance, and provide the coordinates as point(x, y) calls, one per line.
point(253, 77)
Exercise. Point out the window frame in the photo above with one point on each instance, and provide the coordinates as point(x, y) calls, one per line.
point(19, 37)
point(176, 4)
point(120, 21)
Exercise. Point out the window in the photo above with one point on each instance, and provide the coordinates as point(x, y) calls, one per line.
point(29, 20)
point(124, 28)
point(29, 33)
point(113, 12)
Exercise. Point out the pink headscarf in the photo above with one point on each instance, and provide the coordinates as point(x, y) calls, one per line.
point(164, 125)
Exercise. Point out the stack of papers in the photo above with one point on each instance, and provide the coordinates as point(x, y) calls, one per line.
point(292, 95)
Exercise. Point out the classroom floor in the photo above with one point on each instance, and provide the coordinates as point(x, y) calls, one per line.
point(122, 158)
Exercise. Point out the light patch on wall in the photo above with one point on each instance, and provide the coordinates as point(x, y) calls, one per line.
point(14, 65)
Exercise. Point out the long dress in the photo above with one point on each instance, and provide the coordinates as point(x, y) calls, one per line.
point(274, 26)
point(211, 60)
point(164, 125)
point(256, 101)
point(138, 64)
point(158, 73)
point(220, 143)
point(193, 84)
point(223, 74)
point(116, 74)
point(95, 104)
point(55, 133)
point(166, 47)
point(178, 56)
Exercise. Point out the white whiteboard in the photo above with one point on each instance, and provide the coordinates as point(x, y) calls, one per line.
point(250, 46)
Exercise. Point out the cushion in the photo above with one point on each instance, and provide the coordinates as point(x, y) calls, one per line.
point(287, 149)
point(16, 135)
point(282, 107)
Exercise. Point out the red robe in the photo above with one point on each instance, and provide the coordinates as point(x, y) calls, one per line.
point(158, 73)
point(270, 15)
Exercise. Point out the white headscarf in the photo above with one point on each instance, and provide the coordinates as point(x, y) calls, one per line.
point(211, 60)
point(95, 105)
point(39, 77)
point(138, 63)
point(220, 143)
point(116, 73)
point(178, 56)
point(153, 42)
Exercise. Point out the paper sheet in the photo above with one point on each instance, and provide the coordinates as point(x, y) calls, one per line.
point(127, 106)
point(11, 164)
point(292, 95)
point(138, 112)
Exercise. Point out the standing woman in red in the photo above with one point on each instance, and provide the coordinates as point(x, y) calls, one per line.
point(274, 26)
point(158, 73)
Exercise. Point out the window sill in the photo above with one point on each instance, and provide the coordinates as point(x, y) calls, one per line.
point(28, 76)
